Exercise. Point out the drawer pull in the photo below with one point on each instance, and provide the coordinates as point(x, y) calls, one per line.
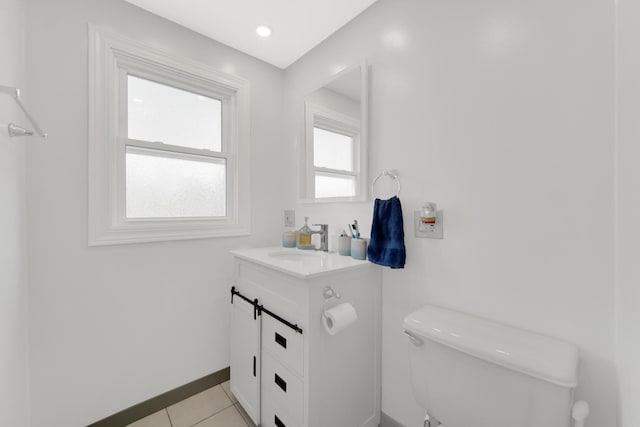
point(278, 422)
point(281, 383)
point(281, 340)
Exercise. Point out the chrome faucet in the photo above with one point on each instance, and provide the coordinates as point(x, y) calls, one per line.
point(324, 236)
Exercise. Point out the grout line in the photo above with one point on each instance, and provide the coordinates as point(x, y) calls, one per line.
point(212, 415)
point(215, 413)
point(166, 410)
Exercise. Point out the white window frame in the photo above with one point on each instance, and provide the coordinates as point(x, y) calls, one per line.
point(317, 116)
point(111, 58)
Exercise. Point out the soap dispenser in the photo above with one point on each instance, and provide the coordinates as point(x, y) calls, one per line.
point(304, 235)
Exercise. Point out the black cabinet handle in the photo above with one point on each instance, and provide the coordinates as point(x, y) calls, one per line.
point(254, 366)
point(281, 383)
point(281, 340)
point(278, 422)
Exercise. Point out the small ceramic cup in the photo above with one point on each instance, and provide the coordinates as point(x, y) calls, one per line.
point(344, 245)
point(359, 248)
point(289, 239)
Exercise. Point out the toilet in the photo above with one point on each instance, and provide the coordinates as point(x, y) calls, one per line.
point(471, 372)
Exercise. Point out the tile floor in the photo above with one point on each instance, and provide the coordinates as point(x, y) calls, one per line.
point(215, 407)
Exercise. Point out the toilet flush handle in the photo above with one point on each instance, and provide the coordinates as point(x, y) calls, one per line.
point(414, 339)
point(579, 413)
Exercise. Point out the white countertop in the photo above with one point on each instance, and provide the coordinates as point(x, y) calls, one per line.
point(303, 264)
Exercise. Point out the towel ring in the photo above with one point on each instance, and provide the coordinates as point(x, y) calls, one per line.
point(393, 174)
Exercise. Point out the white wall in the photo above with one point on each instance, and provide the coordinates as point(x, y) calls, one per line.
point(113, 326)
point(628, 210)
point(501, 112)
point(14, 375)
point(335, 101)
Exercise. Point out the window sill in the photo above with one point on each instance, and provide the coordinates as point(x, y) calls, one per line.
point(332, 200)
point(127, 236)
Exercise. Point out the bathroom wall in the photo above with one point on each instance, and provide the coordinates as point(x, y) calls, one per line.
point(112, 326)
point(335, 101)
point(502, 113)
point(14, 356)
point(628, 210)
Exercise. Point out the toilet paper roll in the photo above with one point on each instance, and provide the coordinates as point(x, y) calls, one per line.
point(338, 318)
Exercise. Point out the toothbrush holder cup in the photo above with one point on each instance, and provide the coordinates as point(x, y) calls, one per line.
point(344, 245)
point(359, 248)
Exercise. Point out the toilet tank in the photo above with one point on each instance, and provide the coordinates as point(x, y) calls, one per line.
point(469, 371)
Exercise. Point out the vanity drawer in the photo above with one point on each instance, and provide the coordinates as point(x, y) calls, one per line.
point(282, 394)
point(274, 415)
point(285, 344)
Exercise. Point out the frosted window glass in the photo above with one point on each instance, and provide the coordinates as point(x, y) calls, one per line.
point(165, 187)
point(332, 150)
point(328, 185)
point(173, 116)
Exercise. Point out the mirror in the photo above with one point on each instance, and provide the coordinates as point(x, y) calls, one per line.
point(336, 145)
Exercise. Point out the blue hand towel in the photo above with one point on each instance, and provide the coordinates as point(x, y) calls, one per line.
point(387, 234)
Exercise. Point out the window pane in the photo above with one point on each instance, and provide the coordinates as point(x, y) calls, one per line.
point(330, 185)
point(173, 116)
point(332, 150)
point(159, 185)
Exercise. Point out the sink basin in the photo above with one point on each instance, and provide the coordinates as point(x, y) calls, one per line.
point(299, 263)
point(295, 256)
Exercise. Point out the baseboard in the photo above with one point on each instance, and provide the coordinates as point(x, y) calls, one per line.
point(157, 403)
point(387, 421)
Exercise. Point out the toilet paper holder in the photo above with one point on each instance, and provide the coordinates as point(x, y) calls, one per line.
point(329, 293)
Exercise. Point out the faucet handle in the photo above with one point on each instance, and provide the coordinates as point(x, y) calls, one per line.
point(323, 227)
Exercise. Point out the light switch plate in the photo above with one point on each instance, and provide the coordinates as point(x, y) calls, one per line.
point(429, 231)
point(290, 218)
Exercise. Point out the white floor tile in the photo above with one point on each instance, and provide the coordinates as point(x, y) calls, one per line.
point(229, 417)
point(246, 416)
point(159, 419)
point(226, 386)
point(198, 407)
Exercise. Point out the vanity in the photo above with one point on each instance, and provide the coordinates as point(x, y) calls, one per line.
point(287, 370)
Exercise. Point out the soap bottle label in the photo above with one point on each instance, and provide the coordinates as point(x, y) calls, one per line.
point(304, 240)
point(304, 234)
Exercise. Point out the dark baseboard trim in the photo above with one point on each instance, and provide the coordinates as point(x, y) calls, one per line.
point(157, 403)
point(387, 421)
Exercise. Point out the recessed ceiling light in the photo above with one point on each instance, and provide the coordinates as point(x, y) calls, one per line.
point(263, 30)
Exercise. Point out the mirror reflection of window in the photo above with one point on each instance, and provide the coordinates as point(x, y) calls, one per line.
point(335, 142)
point(333, 150)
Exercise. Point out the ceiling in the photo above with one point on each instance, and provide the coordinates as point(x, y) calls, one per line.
point(298, 25)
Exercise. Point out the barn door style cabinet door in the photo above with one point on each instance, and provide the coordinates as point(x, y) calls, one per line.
point(245, 356)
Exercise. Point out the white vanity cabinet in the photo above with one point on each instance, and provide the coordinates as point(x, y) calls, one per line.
point(305, 377)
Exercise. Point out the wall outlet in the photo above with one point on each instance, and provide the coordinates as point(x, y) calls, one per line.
point(429, 231)
point(290, 218)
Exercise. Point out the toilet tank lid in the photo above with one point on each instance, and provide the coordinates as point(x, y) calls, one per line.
point(536, 355)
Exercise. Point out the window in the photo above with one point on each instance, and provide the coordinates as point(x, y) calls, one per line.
point(334, 159)
point(168, 146)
